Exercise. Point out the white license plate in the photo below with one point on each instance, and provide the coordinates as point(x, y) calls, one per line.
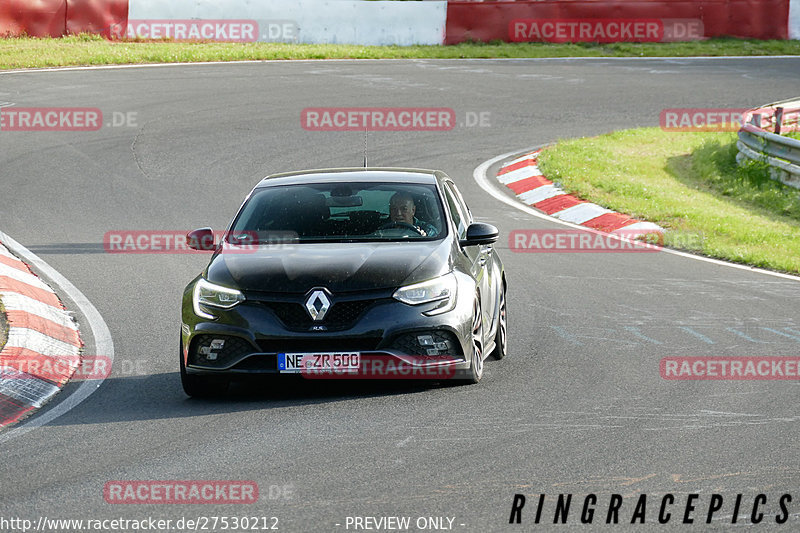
point(299, 362)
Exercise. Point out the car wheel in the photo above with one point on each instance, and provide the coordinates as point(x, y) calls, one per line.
point(200, 386)
point(501, 337)
point(476, 365)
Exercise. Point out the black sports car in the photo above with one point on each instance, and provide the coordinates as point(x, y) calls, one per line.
point(345, 273)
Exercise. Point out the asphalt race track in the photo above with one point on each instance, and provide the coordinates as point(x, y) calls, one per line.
point(577, 407)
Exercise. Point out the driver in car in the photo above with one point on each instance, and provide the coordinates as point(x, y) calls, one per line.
point(402, 210)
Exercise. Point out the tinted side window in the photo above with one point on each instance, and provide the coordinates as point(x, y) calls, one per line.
point(461, 202)
point(455, 212)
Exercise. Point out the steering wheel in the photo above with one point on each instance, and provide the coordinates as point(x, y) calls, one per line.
point(403, 225)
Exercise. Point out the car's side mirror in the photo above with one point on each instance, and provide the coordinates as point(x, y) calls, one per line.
point(201, 239)
point(479, 233)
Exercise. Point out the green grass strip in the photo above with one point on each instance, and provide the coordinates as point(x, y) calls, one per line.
point(688, 183)
point(86, 49)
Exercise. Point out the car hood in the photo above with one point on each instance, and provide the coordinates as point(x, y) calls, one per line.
point(297, 268)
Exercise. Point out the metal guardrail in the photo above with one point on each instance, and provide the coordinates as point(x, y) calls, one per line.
point(781, 153)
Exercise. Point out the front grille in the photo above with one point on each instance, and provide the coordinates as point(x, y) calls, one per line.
point(232, 349)
point(408, 343)
point(316, 345)
point(341, 315)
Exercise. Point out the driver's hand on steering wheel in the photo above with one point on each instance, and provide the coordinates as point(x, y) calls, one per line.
point(404, 225)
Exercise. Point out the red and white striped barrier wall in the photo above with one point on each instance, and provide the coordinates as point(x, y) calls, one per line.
point(522, 175)
point(43, 347)
point(55, 18)
point(676, 20)
point(403, 23)
point(297, 21)
point(794, 19)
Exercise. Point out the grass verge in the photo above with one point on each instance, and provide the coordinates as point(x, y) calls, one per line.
point(87, 49)
point(688, 183)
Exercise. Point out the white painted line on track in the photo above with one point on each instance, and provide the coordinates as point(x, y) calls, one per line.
point(386, 60)
point(104, 344)
point(491, 186)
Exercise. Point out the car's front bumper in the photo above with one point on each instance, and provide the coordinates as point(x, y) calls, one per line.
point(386, 334)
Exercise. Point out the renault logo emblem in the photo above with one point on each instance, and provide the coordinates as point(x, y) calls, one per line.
point(317, 305)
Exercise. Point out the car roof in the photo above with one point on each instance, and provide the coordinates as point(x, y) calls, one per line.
point(377, 175)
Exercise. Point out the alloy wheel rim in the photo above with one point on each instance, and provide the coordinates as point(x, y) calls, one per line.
point(477, 340)
point(503, 322)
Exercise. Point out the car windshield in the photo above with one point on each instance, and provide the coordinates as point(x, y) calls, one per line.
point(340, 212)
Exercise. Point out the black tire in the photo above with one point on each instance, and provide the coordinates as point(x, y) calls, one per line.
point(201, 386)
point(501, 337)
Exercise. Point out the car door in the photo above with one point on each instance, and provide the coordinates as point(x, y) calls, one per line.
point(479, 256)
point(487, 259)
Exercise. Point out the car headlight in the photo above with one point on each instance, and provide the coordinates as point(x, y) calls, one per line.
point(442, 290)
point(211, 295)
